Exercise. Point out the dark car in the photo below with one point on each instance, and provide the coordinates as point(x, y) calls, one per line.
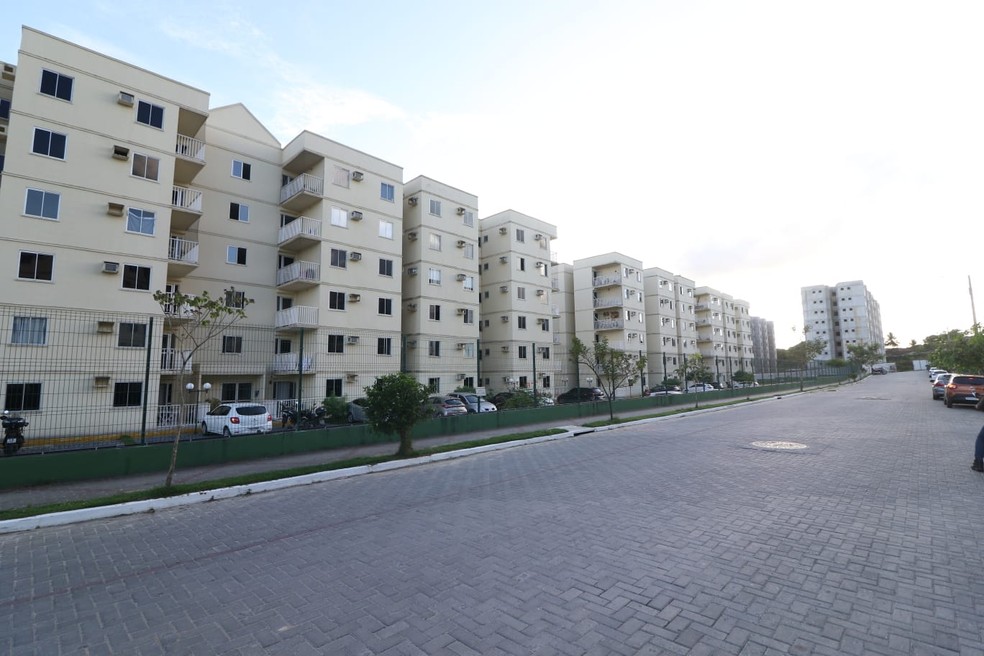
point(581, 394)
point(962, 389)
point(939, 385)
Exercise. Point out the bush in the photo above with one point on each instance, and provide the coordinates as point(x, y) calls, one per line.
point(336, 409)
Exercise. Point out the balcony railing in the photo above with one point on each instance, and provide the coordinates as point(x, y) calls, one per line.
point(292, 362)
point(608, 302)
point(609, 324)
point(190, 147)
point(299, 315)
point(605, 281)
point(300, 226)
point(299, 271)
point(303, 183)
point(171, 360)
point(182, 250)
point(187, 199)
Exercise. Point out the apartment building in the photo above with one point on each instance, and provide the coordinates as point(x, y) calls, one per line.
point(518, 311)
point(670, 323)
point(842, 315)
point(440, 285)
point(724, 336)
point(562, 298)
point(609, 304)
point(763, 346)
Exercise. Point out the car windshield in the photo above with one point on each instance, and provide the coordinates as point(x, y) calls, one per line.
point(969, 380)
point(453, 402)
point(251, 410)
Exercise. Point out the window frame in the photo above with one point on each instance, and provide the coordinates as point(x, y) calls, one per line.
point(385, 229)
point(131, 335)
point(23, 396)
point(44, 201)
point(137, 271)
point(338, 258)
point(143, 217)
point(336, 300)
point(146, 159)
point(232, 344)
point(58, 89)
point(386, 267)
point(37, 326)
point(50, 144)
point(238, 212)
point(235, 259)
point(385, 306)
point(129, 392)
point(245, 170)
point(384, 346)
point(434, 207)
point(37, 260)
point(152, 116)
point(387, 192)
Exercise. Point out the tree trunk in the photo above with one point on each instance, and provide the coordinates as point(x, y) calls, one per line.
point(174, 453)
point(406, 446)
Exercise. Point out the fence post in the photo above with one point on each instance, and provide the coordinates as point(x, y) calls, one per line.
point(146, 385)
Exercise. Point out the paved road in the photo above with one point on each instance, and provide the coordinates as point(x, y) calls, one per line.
point(677, 537)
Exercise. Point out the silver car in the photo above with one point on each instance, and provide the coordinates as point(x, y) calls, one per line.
point(473, 402)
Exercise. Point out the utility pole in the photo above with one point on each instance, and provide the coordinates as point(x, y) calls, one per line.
point(973, 310)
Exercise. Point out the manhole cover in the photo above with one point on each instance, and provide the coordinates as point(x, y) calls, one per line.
point(773, 444)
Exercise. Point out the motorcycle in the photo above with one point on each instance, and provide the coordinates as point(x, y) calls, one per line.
point(308, 419)
point(13, 432)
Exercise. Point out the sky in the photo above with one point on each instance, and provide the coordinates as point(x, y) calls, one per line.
point(754, 146)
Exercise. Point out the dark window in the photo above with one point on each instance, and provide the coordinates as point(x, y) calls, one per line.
point(127, 394)
point(232, 344)
point(35, 266)
point(336, 300)
point(23, 396)
point(339, 258)
point(136, 277)
point(57, 85)
point(384, 346)
point(152, 115)
point(386, 267)
point(386, 306)
point(4, 108)
point(235, 299)
point(133, 334)
point(239, 212)
point(237, 392)
point(241, 169)
point(49, 143)
point(336, 343)
point(333, 387)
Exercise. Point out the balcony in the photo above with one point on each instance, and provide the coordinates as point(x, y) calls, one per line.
point(555, 311)
point(182, 257)
point(171, 360)
point(299, 275)
point(190, 158)
point(299, 316)
point(292, 363)
point(302, 192)
point(607, 281)
point(299, 234)
point(174, 313)
point(609, 324)
point(608, 302)
point(186, 207)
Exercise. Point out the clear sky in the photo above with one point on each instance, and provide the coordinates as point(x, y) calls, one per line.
point(754, 146)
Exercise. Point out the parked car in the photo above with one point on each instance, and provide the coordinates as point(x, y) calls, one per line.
point(699, 387)
point(939, 386)
point(934, 370)
point(443, 406)
point(473, 403)
point(581, 394)
point(357, 411)
point(963, 390)
point(237, 419)
point(664, 390)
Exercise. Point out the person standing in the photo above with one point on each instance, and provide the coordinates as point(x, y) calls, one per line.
point(978, 465)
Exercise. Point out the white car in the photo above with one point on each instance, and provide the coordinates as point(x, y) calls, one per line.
point(473, 402)
point(700, 387)
point(237, 419)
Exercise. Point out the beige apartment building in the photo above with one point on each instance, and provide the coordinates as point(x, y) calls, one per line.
point(841, 316)
point(440, 284)
point(518, 312)
point(724, 336)
point(764, 346)
point(562, 284)
point(670, 322)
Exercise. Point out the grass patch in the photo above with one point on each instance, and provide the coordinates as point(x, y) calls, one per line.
point(258, 477)
point(665, 413)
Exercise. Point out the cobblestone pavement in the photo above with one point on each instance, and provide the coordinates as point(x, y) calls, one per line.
point(674, 537)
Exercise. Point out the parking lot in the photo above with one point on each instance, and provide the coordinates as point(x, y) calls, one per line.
point(833, 522)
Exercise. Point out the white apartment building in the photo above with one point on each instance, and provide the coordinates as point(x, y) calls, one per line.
point(609, 304)
point(440, 285)
point(518, 311)
point(724, 336)
point(562, 284)
point(840, 316)
point(670, 322)
point(764, 346)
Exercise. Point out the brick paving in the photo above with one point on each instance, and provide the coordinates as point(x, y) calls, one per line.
point(672, 537)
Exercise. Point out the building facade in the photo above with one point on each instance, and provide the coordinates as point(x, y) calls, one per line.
point(841, 316)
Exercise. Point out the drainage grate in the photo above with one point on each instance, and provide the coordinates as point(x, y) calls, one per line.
point(774, 444)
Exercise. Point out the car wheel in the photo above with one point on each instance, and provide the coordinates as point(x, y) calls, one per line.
point(226, 432)
point(204, 428)
point(351, 418)
point(949, 403)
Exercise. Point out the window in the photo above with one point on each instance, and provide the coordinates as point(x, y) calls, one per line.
point(469, 251)
point(341, 177)
point(521, 352)
point(35, 266)
point(386, 267)
point(145, 166)
point(469, 352)
point(545, 325)
point(336, 343)
point(232, 344)
point(434, 276)
point(239, 212)
point(521, 264)
point(56, 85)
point(127, 395)
point(435, 207)
point(23, 396)
point(434, 384)
point(520, 235)
point(545, 353)
point(235, 255)
point(470, 219)
point(234, 299)
point(152, 115)
point(42, 204)
point(384, 346)
point(339, 217)
point(387, 191)
point(339, 258)
point(386, 306)
point(48, 143)
point(4, 108)
point(434, 348)
point(435, 313)
point(521, 322)
point(521, 293)
point(435, 242)
point(132, 335)
point(236, 392)
point(30, 330)
point(136, 277)
point(469, 283)
point(469, 316)
point(336, 300)
point(333, 387)
point(241, 170)
point(385, 229)
point(141, 221)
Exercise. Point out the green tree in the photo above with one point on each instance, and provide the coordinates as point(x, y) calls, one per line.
point(742, 376)
point(958, 351)
point(394, 405)
point(612, 367)
point(912, 343)
point(196, 320)
point(890, 341)
point(864, 355)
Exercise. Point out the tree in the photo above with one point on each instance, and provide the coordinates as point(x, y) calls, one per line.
point(864, 355)
point(912, 343)
point(742, 376)
point(612, 367)
point(694, 369)
point(890, 341)
point(196, 320)
point(958, 351)
point(394, 405)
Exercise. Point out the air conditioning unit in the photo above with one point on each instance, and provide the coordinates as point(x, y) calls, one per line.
point(461, 243)
point(412, 200)
point(461, 311)
point(460, 346)
point(411, 307)
point(506, 379)
point(411, 343)
point(504, 289)
point(541, 321)
point(3, 130)
point(352, 339)
point(412, 271)
point(540, 292)
point(357, 176)
point(115, 209)
point(100, 381)
point(125, 98)
point(105, 326)
point(412, 236)
point(503, 259)
point(121, 153)
point(503, 230)
point(460, 376)
point(461, 211)
point(351, 377)
point(355, 256)
point(110, 267)
point(538, 236)
point(460, 277)
point(505, 318)
point(505, 349)
point(355, 215)
point(354, 298)
point(633, 335)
